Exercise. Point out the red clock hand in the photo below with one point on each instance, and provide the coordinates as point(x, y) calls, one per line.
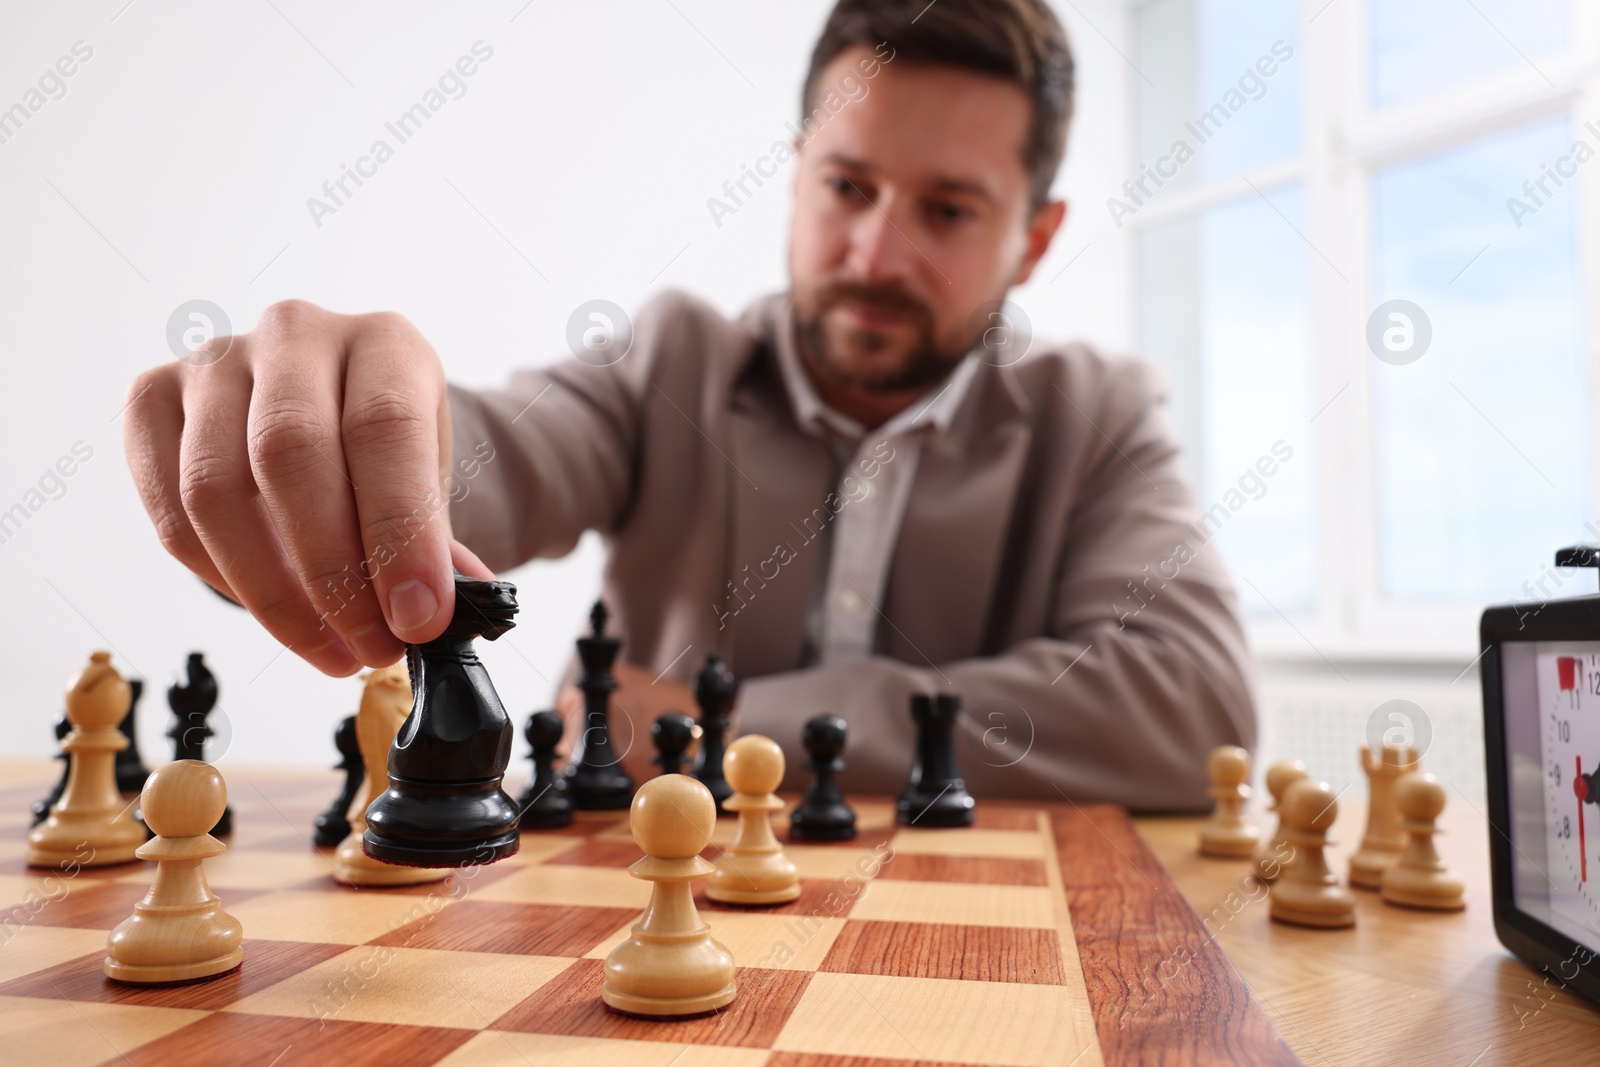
point(1580, 787)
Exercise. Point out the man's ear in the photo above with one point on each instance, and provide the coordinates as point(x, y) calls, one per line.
point(1041, 231)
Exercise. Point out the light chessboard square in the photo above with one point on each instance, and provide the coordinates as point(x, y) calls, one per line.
point(937, 1019)
point(408, 986)
point(27, 949)
point(246, 869)
point(77, 1034)
point(975, 841)
point(783, 942)
point(600, 887)
point(334, 916)
point(499, 1048)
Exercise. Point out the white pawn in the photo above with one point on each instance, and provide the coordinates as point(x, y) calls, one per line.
point(91, 814)
point(385, 703)
point(1419, 879)
point(1384, 839)
point(1277, 852)
point(671, 965)
point(754, 869)
point(1308, 894)
point(179, 931)
point(1228, 832)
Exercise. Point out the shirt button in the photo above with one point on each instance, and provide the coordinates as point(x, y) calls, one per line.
point(848, 602)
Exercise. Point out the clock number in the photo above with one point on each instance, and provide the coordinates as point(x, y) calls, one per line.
point(1566, 826)
point(1564, 730)
point(1556, 770)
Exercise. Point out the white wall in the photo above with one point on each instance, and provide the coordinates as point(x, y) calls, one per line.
point(178, 164)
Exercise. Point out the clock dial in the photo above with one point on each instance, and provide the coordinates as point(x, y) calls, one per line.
point(1569, 709)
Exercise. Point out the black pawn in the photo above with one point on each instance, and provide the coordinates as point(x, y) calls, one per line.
point(41, 807)
point(823, 815)
point(131, 771)
point(545, 805)
point(595, 779)
point(333, 825)
point(191, 702)
point(935, 794)
point(673, 732)
point(714, 690)
point(444, 806)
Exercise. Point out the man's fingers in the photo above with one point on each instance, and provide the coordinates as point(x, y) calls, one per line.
point(302, 478)
point(220, 498)
point(393, 392)
point(299, 464)
point(467, 562)
point(151, 432)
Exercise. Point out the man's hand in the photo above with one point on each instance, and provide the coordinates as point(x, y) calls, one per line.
point(635, 705)
point(297, 469)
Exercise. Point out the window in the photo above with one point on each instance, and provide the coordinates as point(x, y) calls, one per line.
point(1365, 235)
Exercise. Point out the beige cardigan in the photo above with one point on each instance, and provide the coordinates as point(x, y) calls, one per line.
point(1050, 565)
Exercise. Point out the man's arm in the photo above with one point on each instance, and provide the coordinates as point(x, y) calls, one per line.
point(1122, 698)
point(557, 449)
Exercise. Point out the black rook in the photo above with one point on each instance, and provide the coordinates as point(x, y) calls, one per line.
point(935, 794)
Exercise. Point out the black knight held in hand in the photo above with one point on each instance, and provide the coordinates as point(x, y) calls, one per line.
point(444, 806)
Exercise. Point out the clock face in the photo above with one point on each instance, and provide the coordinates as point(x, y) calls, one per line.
point(1569, 737)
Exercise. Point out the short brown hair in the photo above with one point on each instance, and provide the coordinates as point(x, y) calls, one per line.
point(1020, 40)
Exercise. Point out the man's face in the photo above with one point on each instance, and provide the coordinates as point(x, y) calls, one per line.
point(911, 212)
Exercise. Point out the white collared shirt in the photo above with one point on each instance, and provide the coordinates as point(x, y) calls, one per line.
point(877, 471)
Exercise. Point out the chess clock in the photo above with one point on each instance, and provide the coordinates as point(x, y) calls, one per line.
point(1541, 720)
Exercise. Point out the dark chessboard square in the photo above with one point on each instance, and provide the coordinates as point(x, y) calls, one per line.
point(570, 1005)
point(521, 929)
point(982, 870)
point(266, 963)
point(597, 852)
point(944, 950)
point(245, 1039)
point(594, 822)
point(287, 841)
point(991, 817)
point(584, 824)
point(86, 904)
point(18, 865)
point(92, 905)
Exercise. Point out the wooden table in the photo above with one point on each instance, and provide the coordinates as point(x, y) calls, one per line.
point(1403, 986)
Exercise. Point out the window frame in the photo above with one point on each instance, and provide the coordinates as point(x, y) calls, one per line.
point(1346, 143)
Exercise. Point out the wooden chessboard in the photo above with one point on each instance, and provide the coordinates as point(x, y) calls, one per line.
point(1044, 935)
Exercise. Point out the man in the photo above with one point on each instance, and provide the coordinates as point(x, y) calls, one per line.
point(845, 492)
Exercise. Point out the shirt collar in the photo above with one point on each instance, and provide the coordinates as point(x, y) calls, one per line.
point(936, 408)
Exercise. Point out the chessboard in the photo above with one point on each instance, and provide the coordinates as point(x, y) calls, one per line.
point(1044, 934)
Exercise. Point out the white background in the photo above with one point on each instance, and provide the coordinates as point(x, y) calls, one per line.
point(178, 165)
